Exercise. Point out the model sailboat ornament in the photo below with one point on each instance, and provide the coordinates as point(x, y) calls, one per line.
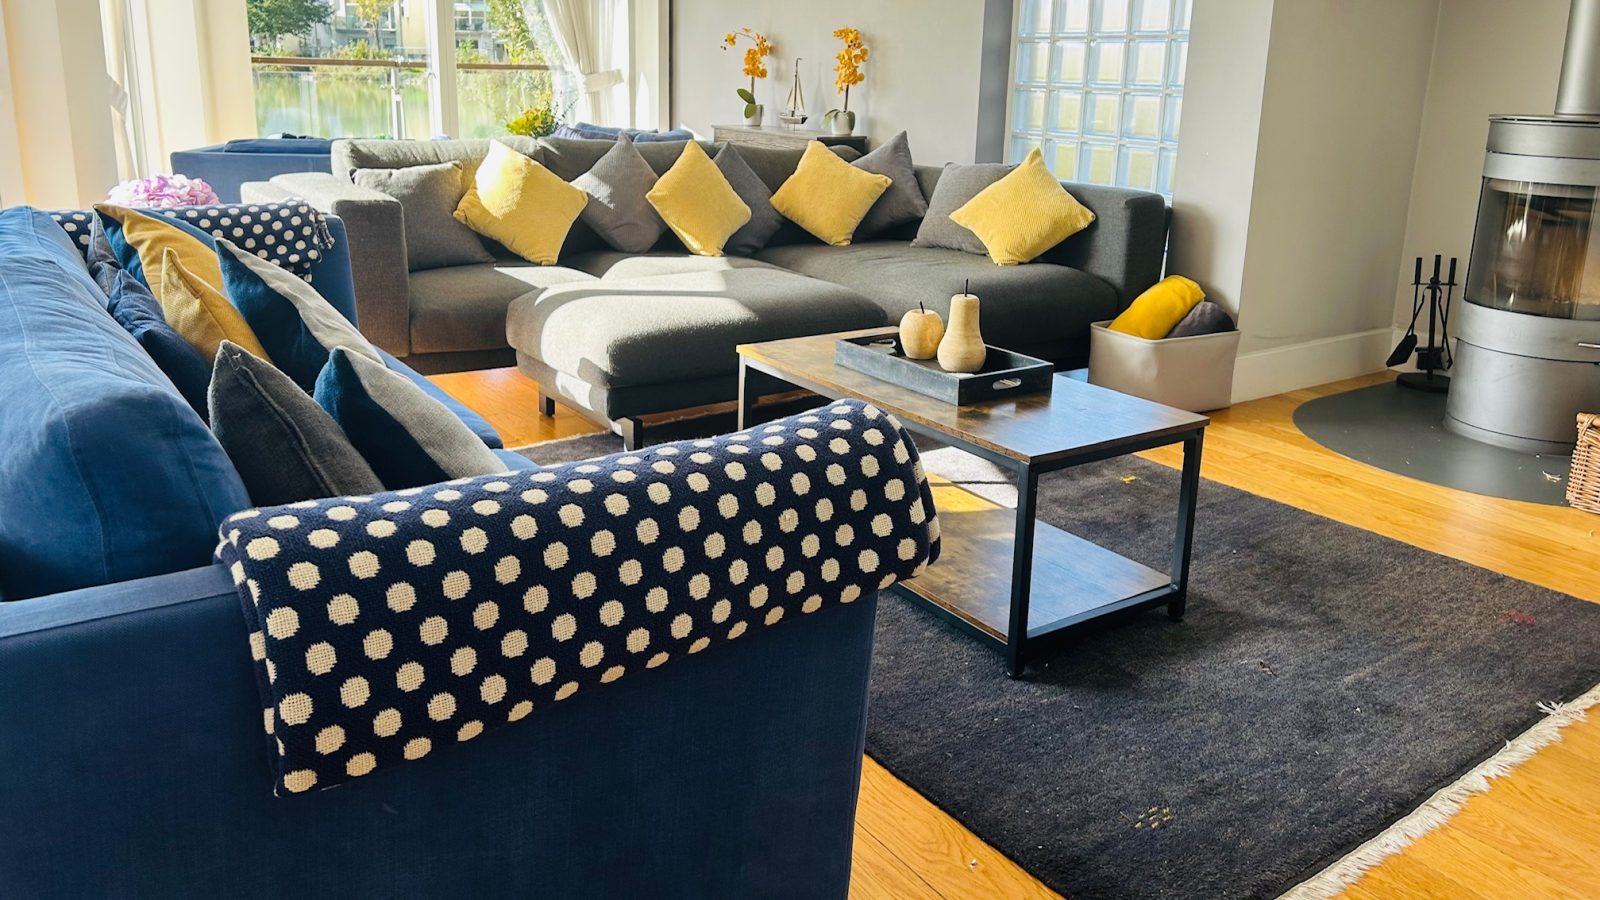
point(794, 109)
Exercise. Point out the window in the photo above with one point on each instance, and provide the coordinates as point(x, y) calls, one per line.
point(1097, 85)
point(361, 68)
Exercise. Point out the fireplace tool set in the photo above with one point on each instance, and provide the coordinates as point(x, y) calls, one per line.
point(1435, 358)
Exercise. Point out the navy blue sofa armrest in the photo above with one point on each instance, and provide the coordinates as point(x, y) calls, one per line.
point(130, 735)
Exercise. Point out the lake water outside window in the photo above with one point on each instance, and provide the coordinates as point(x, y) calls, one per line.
point(359, 68)
point(1098, 86)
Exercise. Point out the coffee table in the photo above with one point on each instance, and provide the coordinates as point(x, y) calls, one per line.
point(1056, 581)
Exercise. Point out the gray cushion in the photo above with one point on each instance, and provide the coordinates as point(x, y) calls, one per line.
point(957, 184)
point(1022, 307)
point(1205, 318)
point(631, 331)
point(764, 220)
point(903, 201)
point(618, 210)
point(428, 196)
point(464, 307)
point(285, 447)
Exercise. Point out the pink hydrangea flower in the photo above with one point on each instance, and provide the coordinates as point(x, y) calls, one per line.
point(163, 192)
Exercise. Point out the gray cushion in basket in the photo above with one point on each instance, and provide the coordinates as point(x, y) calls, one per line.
point(1205, 318)
point(957, 184)
point(286, 448)
point(618, 210)
point(764, 220)
point(428, 197)
point(903, 201)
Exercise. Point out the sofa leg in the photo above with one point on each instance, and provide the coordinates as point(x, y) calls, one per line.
point(632, 432)
point(547, 406)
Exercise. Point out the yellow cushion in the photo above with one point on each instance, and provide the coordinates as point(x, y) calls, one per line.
point(827, 196)
point(521, 204)
point(1023, 214)
point(697, 202)
point(152, 236)
point(1159, 309)
point(199, 312)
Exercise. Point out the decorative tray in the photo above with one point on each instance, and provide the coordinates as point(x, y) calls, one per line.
point(1004, 373)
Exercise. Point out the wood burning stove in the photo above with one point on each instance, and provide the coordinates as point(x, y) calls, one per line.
point(1528, 346)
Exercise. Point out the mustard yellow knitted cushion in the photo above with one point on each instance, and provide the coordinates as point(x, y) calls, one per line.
point(521, 204)
point(1159, 308)
point(697, 202)
point(1023, 214)
point(827, 196)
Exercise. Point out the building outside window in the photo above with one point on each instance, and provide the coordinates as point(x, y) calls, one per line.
point(1097, 85)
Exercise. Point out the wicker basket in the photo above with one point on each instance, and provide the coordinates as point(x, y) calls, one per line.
point(1583, 482)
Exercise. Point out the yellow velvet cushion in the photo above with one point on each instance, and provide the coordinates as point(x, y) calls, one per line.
point(521, 204)
point(696, 201)
point(827, 196)
point(199, 312)
point(1159, 309)
point(1023, 214)
point(151, 236)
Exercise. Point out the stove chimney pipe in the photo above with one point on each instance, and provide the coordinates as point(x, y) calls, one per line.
point(1579, 93)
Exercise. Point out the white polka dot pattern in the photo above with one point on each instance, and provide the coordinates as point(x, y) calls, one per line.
point(474, 604)
point(290, 233)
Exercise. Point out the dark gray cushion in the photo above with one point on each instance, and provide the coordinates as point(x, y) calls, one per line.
point(428, 197)
point(1022, 307)
point(1205, 318)
point(618, 210)
point(903, 201)
point(660, 328)
point(957, 184)
point(285, 447)
point(464, 307)
point(764, 220)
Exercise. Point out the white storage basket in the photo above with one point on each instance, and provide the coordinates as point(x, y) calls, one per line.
point(1193, 373)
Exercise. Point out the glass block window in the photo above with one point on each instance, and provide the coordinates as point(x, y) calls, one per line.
point(1098, 87)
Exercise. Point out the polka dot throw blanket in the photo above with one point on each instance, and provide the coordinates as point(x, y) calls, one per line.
point(388, 628)
point(290, 233)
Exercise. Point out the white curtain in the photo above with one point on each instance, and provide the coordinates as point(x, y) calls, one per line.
point(583, 31)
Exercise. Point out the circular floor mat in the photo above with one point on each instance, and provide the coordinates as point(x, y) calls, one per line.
point(1402, 431)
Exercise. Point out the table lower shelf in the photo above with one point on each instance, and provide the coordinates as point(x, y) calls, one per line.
point(1074, 580)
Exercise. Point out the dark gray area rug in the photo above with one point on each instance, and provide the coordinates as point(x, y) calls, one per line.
point(1402, 431)
point(1325, 682)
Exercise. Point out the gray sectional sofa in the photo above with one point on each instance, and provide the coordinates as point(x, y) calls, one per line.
point(622, 337)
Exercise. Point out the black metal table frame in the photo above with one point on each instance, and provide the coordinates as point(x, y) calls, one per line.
point(1019, 638)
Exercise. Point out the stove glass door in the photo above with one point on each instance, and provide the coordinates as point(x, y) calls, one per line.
point(1536, 250)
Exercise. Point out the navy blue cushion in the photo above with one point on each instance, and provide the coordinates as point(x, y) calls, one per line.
point(408, 437)
point(106, 473)
point(478, 424)
point(590, 132)
point(320, 146)
point(650, 137)
point(136, 309)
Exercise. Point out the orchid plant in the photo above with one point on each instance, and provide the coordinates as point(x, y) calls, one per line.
point(755, 64)
point(847, 71)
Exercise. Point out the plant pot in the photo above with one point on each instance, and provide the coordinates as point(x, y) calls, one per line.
point(843, 125)
point(755, 120)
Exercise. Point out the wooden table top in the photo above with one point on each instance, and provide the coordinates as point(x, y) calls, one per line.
point(1074, 419)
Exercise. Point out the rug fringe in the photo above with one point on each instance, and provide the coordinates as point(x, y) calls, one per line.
point(1446, 802)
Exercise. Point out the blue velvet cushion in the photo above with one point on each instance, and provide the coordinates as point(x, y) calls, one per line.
point(478, 424)
point(591, 132)
point(295, 325)
point(408, 437)
point(106, 473)
point(137, 311)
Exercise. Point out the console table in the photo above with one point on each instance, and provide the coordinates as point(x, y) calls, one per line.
point(1056, 581)
point(782, 137)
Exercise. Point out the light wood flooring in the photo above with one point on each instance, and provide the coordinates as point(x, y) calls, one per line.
point(1536, 833)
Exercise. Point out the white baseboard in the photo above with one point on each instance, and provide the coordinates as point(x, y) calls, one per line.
point(1279, 369)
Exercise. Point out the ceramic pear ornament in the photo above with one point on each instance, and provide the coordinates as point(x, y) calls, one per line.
point(962, 349)
point(920, 331)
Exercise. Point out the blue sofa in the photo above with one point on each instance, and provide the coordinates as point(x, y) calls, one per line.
point(227, 166)
point(135, 764)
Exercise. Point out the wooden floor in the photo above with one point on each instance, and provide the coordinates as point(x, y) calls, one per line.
point(1535, 833)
